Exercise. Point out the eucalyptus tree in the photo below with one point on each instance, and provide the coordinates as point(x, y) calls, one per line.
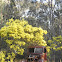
point(2, 5)
point(10, 11)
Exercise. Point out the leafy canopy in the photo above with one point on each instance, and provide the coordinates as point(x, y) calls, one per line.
point(56, 43)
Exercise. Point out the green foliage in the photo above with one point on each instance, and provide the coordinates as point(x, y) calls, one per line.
point(56, 43)
point(55, 48)
point(18, 34)
point(6, 57)
point(2, 56)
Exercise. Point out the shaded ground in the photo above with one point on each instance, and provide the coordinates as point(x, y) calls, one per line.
point(20, 60)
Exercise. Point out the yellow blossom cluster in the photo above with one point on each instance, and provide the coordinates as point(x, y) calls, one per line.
point(18, 33)
point(56, 43)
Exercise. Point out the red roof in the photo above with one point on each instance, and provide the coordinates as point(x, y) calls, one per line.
point(36, 46)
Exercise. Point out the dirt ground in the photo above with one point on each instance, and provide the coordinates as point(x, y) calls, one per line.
point(20, 60)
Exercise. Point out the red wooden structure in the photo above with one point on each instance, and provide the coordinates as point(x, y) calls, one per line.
point(36, 54)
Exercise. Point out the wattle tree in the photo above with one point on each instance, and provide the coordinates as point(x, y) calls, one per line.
point(18, 34)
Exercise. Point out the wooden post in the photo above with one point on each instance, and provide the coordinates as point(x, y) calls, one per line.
point(60, 60)
point(54, 57)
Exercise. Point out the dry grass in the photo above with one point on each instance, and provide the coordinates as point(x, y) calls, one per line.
point(20, 60)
